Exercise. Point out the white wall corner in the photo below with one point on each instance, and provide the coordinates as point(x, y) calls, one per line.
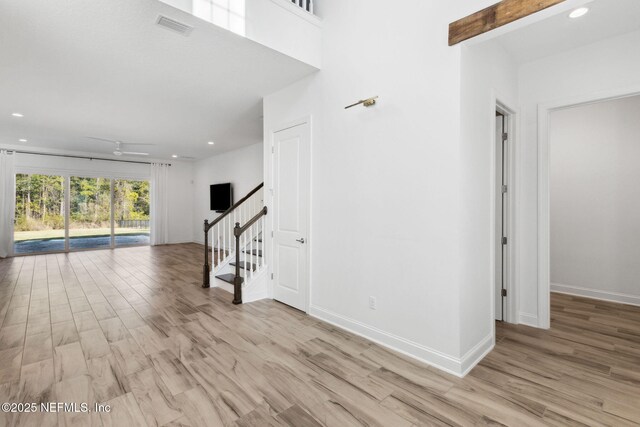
point(450, 364)
point(476, 354)
point(596, 294)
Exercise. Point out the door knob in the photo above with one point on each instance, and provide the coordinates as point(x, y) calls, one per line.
point(300, 240)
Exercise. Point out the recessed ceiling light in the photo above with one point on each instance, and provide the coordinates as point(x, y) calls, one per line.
point(17, 115)
point(581, 11)
point(210, 142)
point(22, 140)
point(175, 156)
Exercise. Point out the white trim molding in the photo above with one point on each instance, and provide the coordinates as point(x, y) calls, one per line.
point(502, 103)
point(596, 294)
point(453, 365)
point(528, 319)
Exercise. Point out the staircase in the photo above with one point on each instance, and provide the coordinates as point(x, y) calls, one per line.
point(238, 249)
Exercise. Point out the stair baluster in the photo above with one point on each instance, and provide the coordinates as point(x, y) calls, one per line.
point(238, 230)
point(237, 281)
point(262, 221)
point(205, 269)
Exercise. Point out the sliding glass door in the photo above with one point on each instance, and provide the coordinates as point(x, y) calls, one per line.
point(89, 213)
point(102, 213)
point(39, 214)
point(131, 212)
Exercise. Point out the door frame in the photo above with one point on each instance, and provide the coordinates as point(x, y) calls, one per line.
point(544, 193)
point(511, 301)
point(268, 180)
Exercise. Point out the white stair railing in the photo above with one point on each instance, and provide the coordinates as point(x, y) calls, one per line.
point(252, 245)
point(247, 243)
point(222, 234)
point(223, 245)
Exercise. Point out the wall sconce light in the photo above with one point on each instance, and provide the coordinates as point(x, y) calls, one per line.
point(369, 102)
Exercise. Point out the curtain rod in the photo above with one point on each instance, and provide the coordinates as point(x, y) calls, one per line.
point(81, 157)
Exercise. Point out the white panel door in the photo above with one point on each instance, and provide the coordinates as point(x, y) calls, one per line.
point(291, 179)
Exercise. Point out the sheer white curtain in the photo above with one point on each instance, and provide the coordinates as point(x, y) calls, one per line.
point(7, 202)
point(159, 204)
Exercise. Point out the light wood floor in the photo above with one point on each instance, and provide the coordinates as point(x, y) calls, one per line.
point(133, 329)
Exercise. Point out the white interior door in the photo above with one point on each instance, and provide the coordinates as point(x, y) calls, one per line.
point(291, 179)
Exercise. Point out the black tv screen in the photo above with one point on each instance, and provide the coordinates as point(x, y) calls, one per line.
point(221, 197)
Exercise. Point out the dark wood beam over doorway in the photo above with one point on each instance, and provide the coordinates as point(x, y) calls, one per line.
point(494, 17)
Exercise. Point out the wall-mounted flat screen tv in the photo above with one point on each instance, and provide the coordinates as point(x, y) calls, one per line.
point(220, 197)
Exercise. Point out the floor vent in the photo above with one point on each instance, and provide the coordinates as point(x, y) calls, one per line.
point(174, 25)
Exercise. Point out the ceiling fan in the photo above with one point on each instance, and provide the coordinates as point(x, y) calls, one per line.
point(118, 150)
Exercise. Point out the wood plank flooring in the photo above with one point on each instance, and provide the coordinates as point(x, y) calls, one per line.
point(132, 328)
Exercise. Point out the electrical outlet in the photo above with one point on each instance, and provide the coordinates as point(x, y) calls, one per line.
point(373, 303)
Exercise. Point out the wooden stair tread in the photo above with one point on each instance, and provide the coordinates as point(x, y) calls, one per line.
point(256, 252)
point(229, 278)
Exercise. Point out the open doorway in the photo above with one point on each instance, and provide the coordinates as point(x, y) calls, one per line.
point(502, 209)
point(545, 130)
point(594, 200)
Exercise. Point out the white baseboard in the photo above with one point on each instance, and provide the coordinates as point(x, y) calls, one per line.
point(476, 354)
point(596, 294)
point(529, 319)
point(453, 365)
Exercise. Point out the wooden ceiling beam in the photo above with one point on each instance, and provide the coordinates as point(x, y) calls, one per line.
point(494, 17)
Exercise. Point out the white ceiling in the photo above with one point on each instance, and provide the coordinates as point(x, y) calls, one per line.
point(559, 33)
point(103, 68)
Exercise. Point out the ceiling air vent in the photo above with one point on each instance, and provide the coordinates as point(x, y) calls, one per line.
point(174, 25)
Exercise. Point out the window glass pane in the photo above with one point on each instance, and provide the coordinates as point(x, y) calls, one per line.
point(89, 213)
point(131, 212)
point(39, 214)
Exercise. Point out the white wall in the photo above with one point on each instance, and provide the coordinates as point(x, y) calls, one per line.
point(242, 167)
point(595, 199)
point(285, 27)
point(488, 74)
point(386, 181)
point(277, 24)
point(596, 69)
point(180, 193)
